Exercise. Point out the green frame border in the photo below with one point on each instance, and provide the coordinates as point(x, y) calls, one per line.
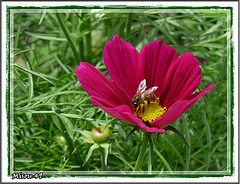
point(108, 7)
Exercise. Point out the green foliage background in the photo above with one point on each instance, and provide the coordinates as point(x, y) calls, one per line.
point(53, 115)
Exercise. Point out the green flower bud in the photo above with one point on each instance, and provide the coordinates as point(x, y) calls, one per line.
point(61, 140)
point(98, 134)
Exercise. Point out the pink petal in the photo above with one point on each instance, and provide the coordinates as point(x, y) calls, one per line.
point(178, 108)
point(120, 112)
point(121, 60)
point(181, 80)
point(125, 113)
point(144, 127)
point(155, 59)
point(100, 87)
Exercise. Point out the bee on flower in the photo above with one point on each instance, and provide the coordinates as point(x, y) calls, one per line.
point(150, 89)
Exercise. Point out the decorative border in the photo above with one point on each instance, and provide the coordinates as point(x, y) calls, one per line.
point(9, 97)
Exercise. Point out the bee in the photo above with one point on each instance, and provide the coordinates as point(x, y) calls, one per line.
point(143, 97)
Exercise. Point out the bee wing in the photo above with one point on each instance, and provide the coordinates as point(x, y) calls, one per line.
point(150, 90)
point(142, 86)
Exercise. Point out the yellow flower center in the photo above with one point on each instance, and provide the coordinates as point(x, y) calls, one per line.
point(148, 112)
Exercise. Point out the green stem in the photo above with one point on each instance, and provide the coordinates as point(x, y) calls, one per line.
point(129, 24)
point(141, 155)
point(69, 39)
point(81, 43)
point(102, 159)
point(121, 29)
point(88, 41)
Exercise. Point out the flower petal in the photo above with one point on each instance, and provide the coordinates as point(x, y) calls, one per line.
point(178, 108)
point(125, 113)
point(121, 60)
point(120, 112)
point(144, 127)
point(155, 59)
point(181, 80)
point(99, 86)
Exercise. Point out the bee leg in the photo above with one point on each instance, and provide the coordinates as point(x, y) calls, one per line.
point(145, 104)
point(148, 100)
point(136, 110)
point(141, 107)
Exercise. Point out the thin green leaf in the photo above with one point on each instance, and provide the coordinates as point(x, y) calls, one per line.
point(94, 146)
point(115, 29)
point(178, 133)
point(46, 36)
point(130, 133)
point(62, 65)
point(22, 51)
point(209, 140)
point(163, 159)
point(188, 142)
point(67, 123)
point(64, 164)
point(129, 23)
point(106, 148)
point(32, 72)
point(151, 148)
point(163, 31)
point(30, 79)
point(175, 150)
point(110, 122)
point(56, 122)
point(213, 28)
point(20, 77)
point(44, 11)
point(69, 39)
point(17, 38)
point(124, 161)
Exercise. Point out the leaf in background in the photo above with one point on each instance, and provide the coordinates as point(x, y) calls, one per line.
point(94, 146)
point(106, 147)
point(163, 159)
point(32, 72)
point(44, 11)
point(56, 122)
point(178, 133)
point(69, 39)
point(87, 138)
point(46, 36)
point(67, 123)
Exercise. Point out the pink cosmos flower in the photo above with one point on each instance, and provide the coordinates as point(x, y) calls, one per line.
point(176, 78)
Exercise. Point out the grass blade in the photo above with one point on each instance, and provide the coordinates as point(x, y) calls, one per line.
point(44, 11)
point(163, 159)
point(106, 148)
point(188, 141)
point(129, 23)
point(163, 31)
point(46, 36)
point(32, 72)
point(69, 39)
point(209, 140)
point(17, 38)
point(178, 133)
point(93, 147)
point(126, 139)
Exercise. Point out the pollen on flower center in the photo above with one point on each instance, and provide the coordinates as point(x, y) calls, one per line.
point(150, 112)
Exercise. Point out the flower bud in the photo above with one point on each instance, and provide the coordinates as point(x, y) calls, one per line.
point(60, 140)
point(98, 134)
